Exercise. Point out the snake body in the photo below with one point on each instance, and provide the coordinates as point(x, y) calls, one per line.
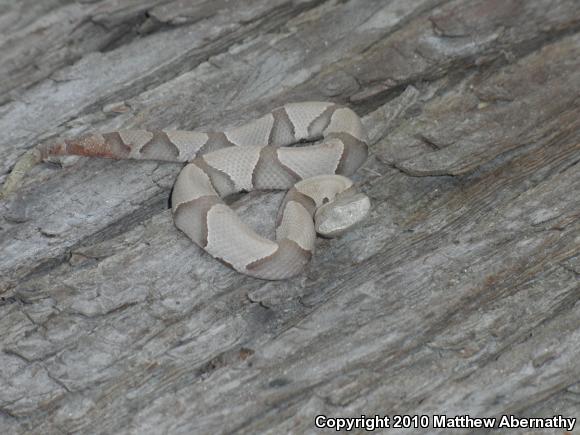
point(254, 156)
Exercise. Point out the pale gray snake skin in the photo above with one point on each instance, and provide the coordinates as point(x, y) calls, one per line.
point(254, 156)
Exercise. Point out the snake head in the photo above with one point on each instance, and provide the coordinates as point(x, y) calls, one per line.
point(343, 213)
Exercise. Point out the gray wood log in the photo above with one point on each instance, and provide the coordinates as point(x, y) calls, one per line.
point(460, 295)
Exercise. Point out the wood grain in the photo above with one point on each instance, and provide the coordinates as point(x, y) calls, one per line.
point(458, 296)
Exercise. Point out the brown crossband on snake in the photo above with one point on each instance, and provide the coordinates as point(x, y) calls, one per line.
point(254, 156)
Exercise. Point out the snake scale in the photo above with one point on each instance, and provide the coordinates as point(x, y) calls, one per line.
point(254, 156)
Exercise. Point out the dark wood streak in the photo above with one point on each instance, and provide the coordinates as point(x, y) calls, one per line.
point(460, 292)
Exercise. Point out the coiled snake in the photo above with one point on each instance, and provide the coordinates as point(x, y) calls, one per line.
point(253, 156)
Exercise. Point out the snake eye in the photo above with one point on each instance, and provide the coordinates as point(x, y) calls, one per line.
point(325, 200)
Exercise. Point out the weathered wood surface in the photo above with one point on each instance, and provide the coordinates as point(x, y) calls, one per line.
point(460, 295)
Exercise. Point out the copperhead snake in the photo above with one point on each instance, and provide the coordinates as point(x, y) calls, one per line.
point(256, 155)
